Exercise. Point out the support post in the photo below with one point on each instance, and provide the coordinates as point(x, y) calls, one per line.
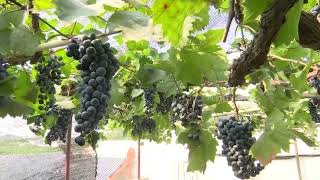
point(68, 153)
point(297, 159)
point(139, 158)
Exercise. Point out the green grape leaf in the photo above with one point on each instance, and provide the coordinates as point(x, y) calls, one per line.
point(11, 19)
point(69, 64)
point(71, 27)
point(64, 102)
point(298, 79)
point(43, 5)
point(13, 108)
point(270, 144)
point(252, 9)
point(50, 121)
point(69, 10)
point(7, 86)
point(223, 106)
point(289, 30)
point(201, 19)
point(148, 75)
point(168, 86)
point(199, 155)
point(195, 66)
point(305, 139)
point(129, 19)
point(25, 90)
point(172, 16)
point(117, 93)
point(5, 40)
point(19, 37)
point(276, 137)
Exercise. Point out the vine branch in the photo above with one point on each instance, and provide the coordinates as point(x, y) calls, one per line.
point(64, 42)
point(256, 53)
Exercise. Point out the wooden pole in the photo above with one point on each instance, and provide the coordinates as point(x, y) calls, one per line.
point(297, 160)
point(68, 154)
point(139, 158)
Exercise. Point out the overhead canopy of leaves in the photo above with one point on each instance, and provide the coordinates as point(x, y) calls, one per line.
point(172, 15)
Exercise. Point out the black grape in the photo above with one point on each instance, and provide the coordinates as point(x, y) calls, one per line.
point(237, 140)
point(314, 103)
point(164, 105)
point(3, 69)
point(59, 130)
point(149, 95)
point(141, 124)
point(98, 66)
point(48, 75)
point(313, 106)
point(187, 109)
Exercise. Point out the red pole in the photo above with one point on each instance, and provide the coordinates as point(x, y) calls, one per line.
point(139, 158)
point(68, 154)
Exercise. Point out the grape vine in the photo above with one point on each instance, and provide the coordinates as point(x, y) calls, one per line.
point(97, 65)
point(237, 140)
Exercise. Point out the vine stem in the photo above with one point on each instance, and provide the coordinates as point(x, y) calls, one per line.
point(64, 42)
point(234, 101)
point(297, 160)
point(175, 82)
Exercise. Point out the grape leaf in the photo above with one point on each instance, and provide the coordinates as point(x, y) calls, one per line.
point(276, 137)
point(196, 65)
point(5, 40)
point(43, 5)
point(129, 19)
point(117, 93)
point(172, 15)
point(13, 108)
point(7, 86)
point(298, 79)
point(25, 90)
point(223, 106)
point(289, 30)
point(70, 9)
point(148, 75)
point(199, 155)
point(21, 36)
point(305, 139)
point(9, 19)
point(252, 9)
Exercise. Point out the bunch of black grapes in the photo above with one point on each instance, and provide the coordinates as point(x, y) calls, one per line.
point(188, 109)
point(164, 105)
point(145, 123)
point(49, 75)
point(149, 98)
point(59, 130)
point(98, 66)
point(3, 69)
point(314, 103)
point(237, 140)
point(141, 124)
